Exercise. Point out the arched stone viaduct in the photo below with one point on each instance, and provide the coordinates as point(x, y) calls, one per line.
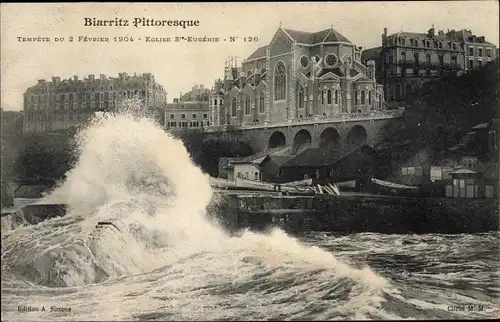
point(301, 135)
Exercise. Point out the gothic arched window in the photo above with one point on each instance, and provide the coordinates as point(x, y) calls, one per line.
point(279, 81)
point(363, 98)
point(355, 97)
point(247, 105)
point(329, 97)
point(369, 97)
point(233, 107)
point(261, 103)
point(380, 101)
point(336, 96)
point(301, 97)
point(322, 97)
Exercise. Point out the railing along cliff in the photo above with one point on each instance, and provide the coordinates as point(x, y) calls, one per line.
point(345, 117)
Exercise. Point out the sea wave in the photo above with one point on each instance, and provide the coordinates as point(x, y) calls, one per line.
point(161, 252)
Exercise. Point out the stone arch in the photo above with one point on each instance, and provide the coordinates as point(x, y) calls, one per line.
point(302, 140)
point(357, 135)
point(329, 138)
point(277, 139)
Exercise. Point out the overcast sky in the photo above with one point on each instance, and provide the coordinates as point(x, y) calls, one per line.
point(179, 66)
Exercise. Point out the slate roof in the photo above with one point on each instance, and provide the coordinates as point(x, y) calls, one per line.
point(466, 144)
point(259, 157)
point(315, 157)
point(463, 171)
point(335, 71)
point(481, 126)
point(304, 37)
point(371, 53)
point(418, 35)
point(260, 52)
point(458, 36)
point(311, 38)
point(279, 159)
point(363, 78)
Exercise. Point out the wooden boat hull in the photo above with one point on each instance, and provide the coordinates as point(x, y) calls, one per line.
point(299, 187)
point(392, 188)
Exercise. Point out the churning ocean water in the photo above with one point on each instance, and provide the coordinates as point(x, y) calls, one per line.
point(164, 260)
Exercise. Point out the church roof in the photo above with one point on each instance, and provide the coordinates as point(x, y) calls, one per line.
point(305, 37)
point(335, 71)
point(311, 38)
point(260, 52)
point(363, 78)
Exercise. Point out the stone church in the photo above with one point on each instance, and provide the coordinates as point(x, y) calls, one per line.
point(298, 75)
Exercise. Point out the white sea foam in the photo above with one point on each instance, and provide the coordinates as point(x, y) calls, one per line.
point(133, 174)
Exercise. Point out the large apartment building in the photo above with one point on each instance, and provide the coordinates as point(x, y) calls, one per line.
point(406, 60)
point(190, 110)
point(61, 104)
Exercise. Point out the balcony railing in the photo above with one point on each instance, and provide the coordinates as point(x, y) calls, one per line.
point(427, 65)
point(372, 115)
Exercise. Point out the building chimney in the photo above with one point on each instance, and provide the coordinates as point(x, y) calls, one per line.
point(384, 37)
point(234, 73)
point(102, 77)
point(229, 80)
point(440, 32)
point(432, 32)
point(41, 81)
point(75, 78)
point(242, 80)
point(92, 77)
point(216, 87)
